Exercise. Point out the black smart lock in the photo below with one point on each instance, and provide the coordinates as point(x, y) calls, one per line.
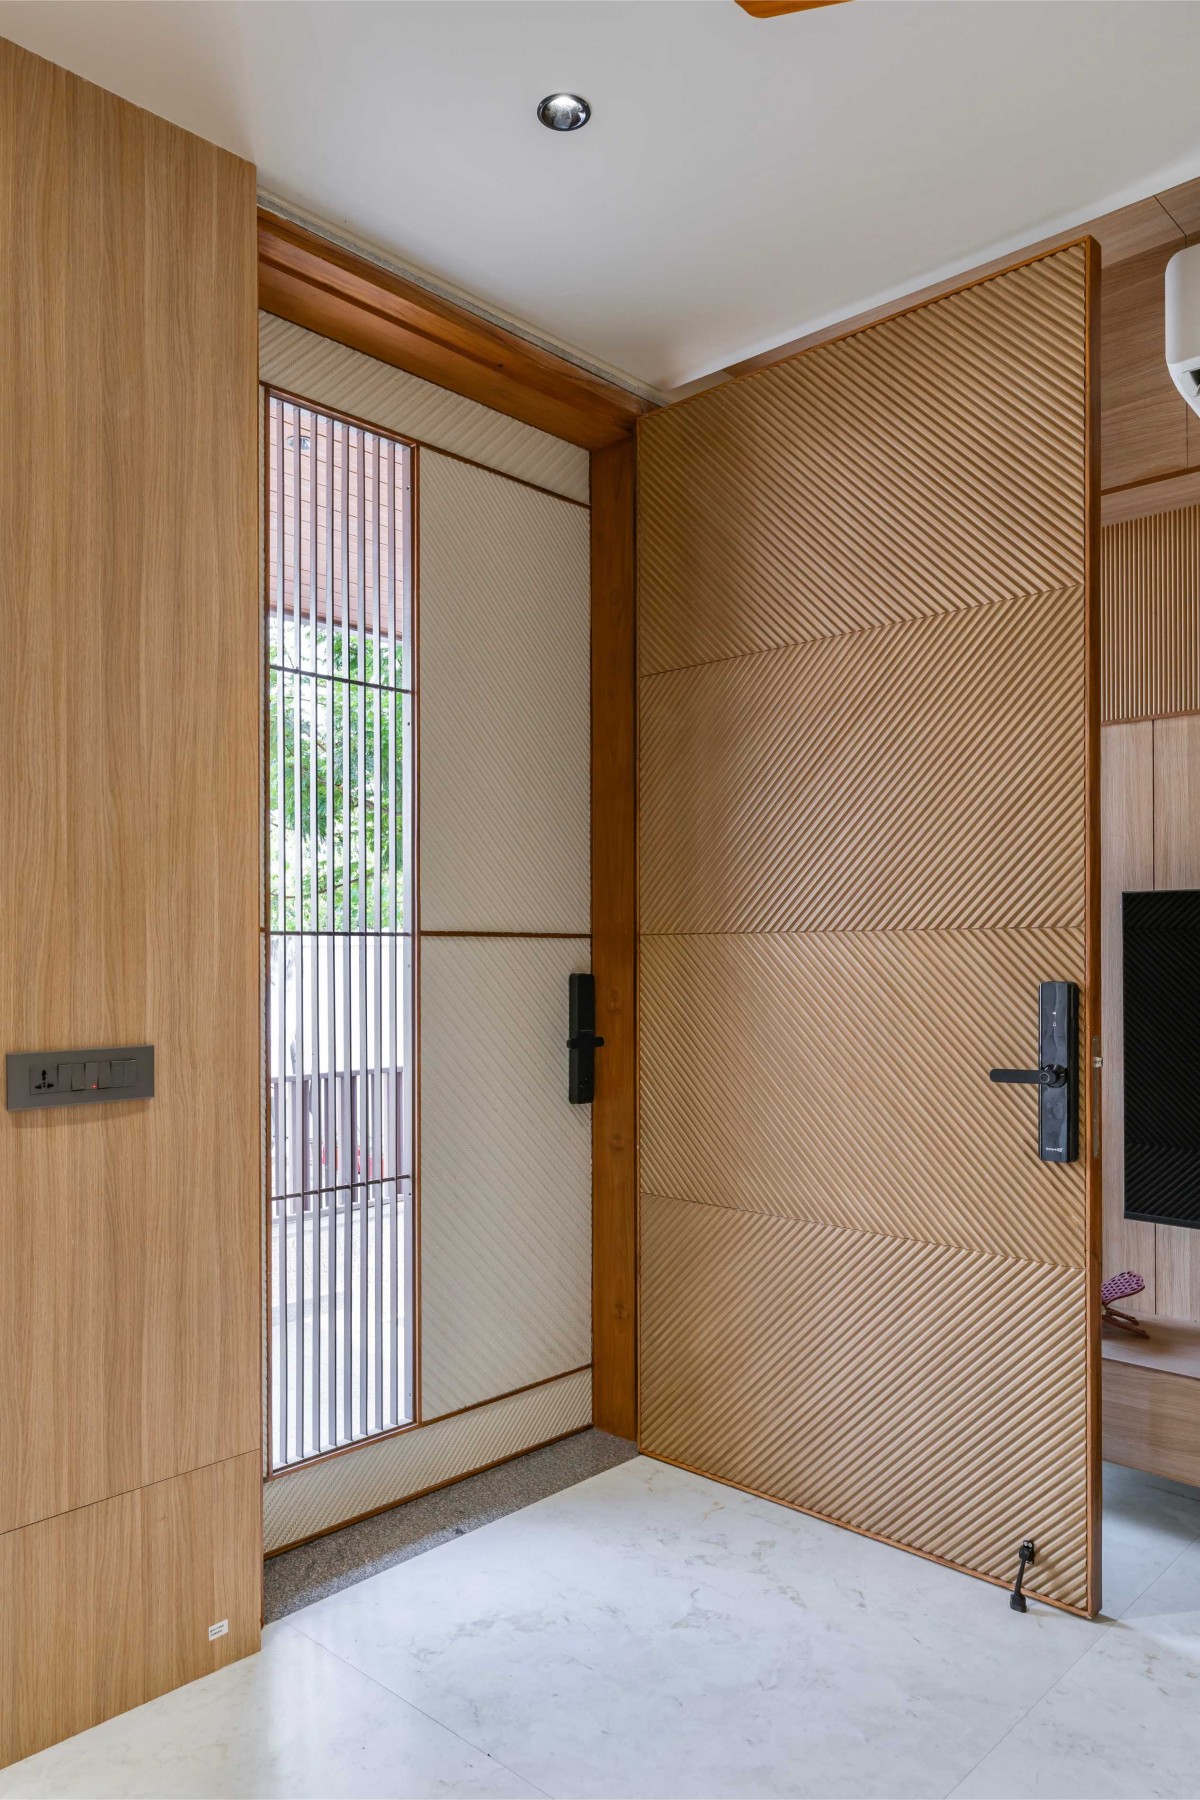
point(582, 1041)
point(1056, 1077)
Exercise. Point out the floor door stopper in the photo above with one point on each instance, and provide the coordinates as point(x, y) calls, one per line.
point(1017, 1599)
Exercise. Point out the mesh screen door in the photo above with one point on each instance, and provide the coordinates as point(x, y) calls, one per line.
point(339, 931)
point(868, 759)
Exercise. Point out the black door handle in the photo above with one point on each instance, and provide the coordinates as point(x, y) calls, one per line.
point(1048, 1075)
point(1056, 1077)
point(582, 1041)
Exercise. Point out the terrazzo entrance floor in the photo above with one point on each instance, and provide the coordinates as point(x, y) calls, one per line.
point(651, 1633)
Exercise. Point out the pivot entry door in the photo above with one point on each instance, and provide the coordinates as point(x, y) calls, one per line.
point(868, 757)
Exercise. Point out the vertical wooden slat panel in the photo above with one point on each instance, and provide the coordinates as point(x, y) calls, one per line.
point(1151, 616)
point(614, 927)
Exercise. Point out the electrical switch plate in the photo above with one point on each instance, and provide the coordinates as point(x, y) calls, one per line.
point(40, 1078)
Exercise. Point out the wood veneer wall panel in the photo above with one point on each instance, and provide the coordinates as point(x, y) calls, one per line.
point(1144, 498)
point(129, 1237)
point(1176, 803)
point(1152, 1420)
point(1177, 865)
point(196, 1534)
point(1144, 430)
point(58, 1673)
point(1150, 630)
point(129, 896)
point(1150, 808)
point(108, 1605)
point(1151, 652)
point(1182, 206)
point(1127, 827)
point(867, 749)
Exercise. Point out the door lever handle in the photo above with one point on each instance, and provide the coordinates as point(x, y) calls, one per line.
point(1046, 1075)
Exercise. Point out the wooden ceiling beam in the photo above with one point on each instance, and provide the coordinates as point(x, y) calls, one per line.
point(312, 282)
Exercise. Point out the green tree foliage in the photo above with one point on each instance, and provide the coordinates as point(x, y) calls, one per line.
point(336, 783)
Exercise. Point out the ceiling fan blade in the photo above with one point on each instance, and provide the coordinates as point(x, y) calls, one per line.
point(771, 9)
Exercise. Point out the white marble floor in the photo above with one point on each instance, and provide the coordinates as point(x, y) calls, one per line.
point(650, 1633)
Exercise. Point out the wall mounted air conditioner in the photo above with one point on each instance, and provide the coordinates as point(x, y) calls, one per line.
point(1183, 323)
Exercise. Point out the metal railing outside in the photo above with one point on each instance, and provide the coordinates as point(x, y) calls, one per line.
point(339, 905)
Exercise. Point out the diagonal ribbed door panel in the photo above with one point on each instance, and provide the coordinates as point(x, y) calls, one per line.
point(930, 1397)
point(890, 1129)
point(907, 788)
point(866, 749)
point(892, 475)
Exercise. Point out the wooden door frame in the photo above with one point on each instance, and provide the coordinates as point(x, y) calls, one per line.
point(339, 294)
point(614, 940)
point(1092, 1061)
point(325, 288)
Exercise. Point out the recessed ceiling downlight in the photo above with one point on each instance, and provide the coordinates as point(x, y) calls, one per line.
point(564, 112)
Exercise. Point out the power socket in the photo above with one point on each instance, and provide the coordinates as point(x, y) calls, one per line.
point(39, 1078)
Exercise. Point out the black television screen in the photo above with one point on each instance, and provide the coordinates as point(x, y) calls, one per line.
point(1161, 957)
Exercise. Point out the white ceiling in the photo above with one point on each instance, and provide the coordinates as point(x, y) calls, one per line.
point(741, 182)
